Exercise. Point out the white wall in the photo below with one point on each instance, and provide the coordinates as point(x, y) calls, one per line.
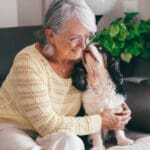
point(8, 13)
point(21, 12)
point(47, 3)
point(29, 12)
point(142, 6)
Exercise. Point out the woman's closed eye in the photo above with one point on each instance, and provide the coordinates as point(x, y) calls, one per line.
point(77, 40)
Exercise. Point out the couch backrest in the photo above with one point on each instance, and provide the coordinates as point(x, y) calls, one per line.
point(13, 40)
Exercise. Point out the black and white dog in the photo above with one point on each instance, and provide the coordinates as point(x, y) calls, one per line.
point(107, 92)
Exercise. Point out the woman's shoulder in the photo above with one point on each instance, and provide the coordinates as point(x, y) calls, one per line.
point(29, 56)
point(29, 51)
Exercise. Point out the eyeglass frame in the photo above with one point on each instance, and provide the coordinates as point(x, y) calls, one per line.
point(80, 40)
point(87, 40)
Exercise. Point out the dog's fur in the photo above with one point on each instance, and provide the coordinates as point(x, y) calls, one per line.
point(107, 93)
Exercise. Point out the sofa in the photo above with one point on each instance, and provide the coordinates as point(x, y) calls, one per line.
point(11, 41)
point(14, 39)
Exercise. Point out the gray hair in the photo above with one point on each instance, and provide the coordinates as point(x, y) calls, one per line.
point(62, 10)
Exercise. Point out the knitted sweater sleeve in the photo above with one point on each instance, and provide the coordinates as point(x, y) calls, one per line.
point(32, 100)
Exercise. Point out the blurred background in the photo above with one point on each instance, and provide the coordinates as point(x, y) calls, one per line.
point(31, 12)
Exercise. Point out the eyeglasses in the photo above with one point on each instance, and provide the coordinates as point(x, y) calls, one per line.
point(76, 41)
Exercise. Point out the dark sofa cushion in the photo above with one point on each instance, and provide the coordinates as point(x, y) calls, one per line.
point(13, 40)
point(139, 101)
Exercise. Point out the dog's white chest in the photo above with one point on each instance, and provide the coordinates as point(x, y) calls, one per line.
point(96, 100)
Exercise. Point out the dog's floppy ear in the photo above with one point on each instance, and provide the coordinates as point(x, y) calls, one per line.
point(79, 77)
point(103, 54)
point(113, 68)
point(99, 56)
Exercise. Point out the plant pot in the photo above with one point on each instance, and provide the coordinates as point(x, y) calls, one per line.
point(127, 69)
point(142, 68)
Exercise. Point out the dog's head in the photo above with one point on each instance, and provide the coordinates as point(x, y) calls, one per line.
point(79, 74)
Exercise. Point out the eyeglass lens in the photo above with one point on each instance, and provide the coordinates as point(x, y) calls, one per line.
point(77, 41)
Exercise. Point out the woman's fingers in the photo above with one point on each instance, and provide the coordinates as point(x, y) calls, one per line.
point(121, 124)
point(122, 120)
point(92, 57)
point(112, 121)
point(126, 110)
point(91, 65)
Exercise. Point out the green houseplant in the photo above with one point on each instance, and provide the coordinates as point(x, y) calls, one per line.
point(126, 38)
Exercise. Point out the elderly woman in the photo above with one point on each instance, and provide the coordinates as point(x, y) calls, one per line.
point(38, 104)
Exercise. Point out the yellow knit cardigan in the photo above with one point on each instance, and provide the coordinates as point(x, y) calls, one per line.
point(34, 97)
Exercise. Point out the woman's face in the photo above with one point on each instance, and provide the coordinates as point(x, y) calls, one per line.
point(71, 40)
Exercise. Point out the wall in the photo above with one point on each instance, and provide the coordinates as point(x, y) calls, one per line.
point(8, 13)
point(31, 12)
point(142, 6)
point(47, 3)
point(21, 12)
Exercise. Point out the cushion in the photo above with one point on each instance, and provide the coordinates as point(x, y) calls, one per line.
point(139, 144)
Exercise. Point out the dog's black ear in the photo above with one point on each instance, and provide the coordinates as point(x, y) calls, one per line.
point(117, 77)
point(79, 77)
point(113, 68)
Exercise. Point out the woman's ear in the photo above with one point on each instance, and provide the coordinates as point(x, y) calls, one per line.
point(49, 35)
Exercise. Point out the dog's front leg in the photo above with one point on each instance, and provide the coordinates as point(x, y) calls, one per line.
point(122, 139)
point(97, 141)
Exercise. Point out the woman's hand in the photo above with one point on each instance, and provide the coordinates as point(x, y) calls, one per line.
point(94, 64)
point(115, 121)
point(126, 109)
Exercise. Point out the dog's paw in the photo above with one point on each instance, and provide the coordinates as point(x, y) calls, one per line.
point(98, 148)
point(125, 141)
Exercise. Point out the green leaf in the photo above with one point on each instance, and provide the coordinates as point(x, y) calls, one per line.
point(123, 32)
point(126, 37)
point(146, 54)
point(108, 44)
point(129, 16)
point(133, 48)
point(126, 57)
point(120, 44)
point(144, 26)
point(116, 51)
point(148, 45)
point(131, 35)
point(136, 29)
point(114, 30)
